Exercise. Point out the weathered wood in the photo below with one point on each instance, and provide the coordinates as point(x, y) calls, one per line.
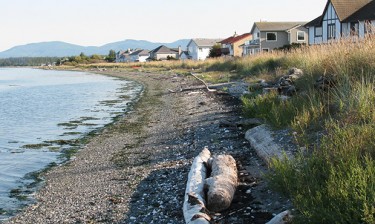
point(207, 87)
point(282, 218)
point(194, 203)
point(222, 184)
point(266, 147)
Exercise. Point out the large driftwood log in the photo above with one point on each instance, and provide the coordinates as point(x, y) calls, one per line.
point(222, 184)
point(194, 203)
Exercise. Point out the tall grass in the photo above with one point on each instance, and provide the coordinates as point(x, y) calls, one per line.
point(335, 181)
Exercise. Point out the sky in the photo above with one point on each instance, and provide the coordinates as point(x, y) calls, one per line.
point(98, 22)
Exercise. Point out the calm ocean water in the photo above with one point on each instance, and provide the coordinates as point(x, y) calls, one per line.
point(43, 112)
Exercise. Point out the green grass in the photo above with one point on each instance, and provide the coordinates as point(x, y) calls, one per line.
point(334, 181)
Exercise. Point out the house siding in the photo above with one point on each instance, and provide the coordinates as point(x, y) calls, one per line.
point(294, 33)
point(192, 48)
point(282, 39)
point(237, 49)
point(161, 56)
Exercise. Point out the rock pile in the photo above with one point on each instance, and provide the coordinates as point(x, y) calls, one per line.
point(285, 86)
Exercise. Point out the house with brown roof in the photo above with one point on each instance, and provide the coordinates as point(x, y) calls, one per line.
point(267, 36)
point(199, 49)
point(343, 18)
point(164, 53)
point(233, 44)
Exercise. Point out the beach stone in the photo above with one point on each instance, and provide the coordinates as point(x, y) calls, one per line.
point(295, 71)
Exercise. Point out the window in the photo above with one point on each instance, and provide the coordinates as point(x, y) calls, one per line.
point(200, 49)
point(331, 31)
point(300, 36)
point(265, 49)
point(271, 36)
point(318, 31)
point(257, 35)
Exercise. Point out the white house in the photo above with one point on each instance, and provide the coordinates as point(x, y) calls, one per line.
point(199, 49)
point(139, 56)
point(343, 18)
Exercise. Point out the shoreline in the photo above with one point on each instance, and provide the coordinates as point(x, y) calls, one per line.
point(24, 193)
point(135, 170)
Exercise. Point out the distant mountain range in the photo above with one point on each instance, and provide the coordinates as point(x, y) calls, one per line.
point(62, 49)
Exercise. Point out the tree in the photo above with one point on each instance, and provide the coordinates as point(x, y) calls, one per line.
point(83, 56)
point(215, 51)
point(111, 56)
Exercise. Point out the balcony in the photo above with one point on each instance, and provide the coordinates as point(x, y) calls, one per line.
point(255, 42)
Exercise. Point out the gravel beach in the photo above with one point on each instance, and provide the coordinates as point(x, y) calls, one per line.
point(135, 170)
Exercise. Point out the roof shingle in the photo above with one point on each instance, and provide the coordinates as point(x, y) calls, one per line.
point(346, 8)
point(164, 50)
point(234, 39)
point(277, 26)
point(367, 12)
point(201, 42)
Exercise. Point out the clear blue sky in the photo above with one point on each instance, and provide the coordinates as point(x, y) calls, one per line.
point(97, 22)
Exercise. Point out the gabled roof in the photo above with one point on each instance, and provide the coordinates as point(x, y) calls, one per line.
point(164, 50)
point(346, 8)
point(140, 53)
point(202, 42)
point(315, 22)
point(185, 52)
point(367, 12)
point(348, 11)
point(235, 38)
point(276, 26)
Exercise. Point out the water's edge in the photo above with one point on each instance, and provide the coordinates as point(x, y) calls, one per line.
point(36, 181)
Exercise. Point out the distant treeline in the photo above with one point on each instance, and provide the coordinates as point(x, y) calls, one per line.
point(28, 61)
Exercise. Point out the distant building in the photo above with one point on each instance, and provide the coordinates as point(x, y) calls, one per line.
point(184, 55)
point(343, 18)
point(139, 56)
point(199, 49)
point(163, 53)
point(233, 44)
point(267, 36)
point(123, 56)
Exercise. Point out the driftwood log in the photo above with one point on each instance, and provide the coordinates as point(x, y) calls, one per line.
point(194, 203)
point(222, 184)
point(207, 87)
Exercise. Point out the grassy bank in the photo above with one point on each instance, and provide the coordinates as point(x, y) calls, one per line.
point(334, 181)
